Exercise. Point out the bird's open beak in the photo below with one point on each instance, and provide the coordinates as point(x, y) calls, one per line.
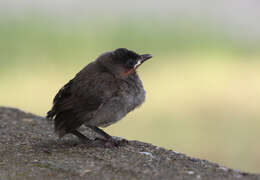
point(144, 57)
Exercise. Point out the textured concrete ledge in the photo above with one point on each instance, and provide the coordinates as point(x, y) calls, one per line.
point(30, 150)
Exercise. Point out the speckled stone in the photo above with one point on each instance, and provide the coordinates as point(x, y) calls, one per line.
point(30, 150)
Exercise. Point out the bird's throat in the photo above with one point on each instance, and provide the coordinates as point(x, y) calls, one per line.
point(128, 72)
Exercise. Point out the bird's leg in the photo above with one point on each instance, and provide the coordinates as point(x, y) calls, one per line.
point(80, 136)
point(101, 132)
point(110, 140)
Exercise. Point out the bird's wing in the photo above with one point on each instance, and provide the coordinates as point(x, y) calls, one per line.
point(90, 95)
point(61, 101)
point(79, 98)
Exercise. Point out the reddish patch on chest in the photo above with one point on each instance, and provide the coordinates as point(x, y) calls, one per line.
point(128, 72)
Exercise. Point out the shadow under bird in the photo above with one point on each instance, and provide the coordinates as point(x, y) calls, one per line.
point(102, 93)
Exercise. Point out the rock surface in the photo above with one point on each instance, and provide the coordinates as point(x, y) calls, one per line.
point(30, 150)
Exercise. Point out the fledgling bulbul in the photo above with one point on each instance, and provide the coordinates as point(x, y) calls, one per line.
point(102, 93)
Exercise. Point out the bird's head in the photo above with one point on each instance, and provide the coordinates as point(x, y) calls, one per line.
point(122, 61)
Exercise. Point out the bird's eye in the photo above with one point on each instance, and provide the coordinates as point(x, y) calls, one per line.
point(130, 63)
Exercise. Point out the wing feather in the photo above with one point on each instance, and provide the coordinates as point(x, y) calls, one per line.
point(79, 99)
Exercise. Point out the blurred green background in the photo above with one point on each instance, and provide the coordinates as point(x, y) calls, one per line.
point(203, 84)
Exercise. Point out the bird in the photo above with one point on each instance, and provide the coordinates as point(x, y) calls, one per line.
point(99, 95)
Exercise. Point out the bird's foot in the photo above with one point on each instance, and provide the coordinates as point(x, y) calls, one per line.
point(118, 141)
point(108, 143)
point(104, 143)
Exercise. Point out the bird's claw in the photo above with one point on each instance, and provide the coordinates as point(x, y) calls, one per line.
point(109, 143)
point(118, 142)
point(106, 143)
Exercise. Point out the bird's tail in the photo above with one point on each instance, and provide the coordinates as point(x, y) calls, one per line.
point(50, 115)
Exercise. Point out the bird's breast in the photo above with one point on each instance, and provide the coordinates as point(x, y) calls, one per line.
point(130, 95)
point(133, 93)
